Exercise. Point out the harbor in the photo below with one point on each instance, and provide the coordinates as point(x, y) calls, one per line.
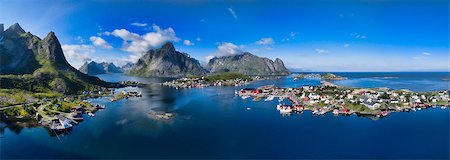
point(207, 119)
point(223, 79)
point(330, 98)
point(60, 114)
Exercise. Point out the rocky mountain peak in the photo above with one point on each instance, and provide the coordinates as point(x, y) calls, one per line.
point(248, 64)
point(15, 29)
point(43, 61)
point(168, 46)
point(54, 51)
point(166, 62)
point(94, 68)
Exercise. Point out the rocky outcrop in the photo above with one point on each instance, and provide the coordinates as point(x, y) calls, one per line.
point(248, 64)
point(94, 68)
point(30, 63)
point(166, 62)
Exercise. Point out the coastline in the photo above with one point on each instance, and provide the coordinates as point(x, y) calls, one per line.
point(60, 112)
point(369, 102)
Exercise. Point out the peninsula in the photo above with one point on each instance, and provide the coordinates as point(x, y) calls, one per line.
point(39, 85)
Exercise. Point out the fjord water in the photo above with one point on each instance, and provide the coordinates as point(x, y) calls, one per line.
point(214, 123)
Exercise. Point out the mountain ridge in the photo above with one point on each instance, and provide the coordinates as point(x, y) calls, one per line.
point(166, 62)
point(39, 65)
point(94, 68)
point(248, 64)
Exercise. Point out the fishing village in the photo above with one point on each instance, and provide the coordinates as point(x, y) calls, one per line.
point(223, 79)
point(59, 113)
point(373, 103)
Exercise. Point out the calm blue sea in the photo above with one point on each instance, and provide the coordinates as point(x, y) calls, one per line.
point(414, 81)
point(214, 123)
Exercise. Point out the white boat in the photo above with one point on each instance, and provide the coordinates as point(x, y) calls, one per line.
point(419, 109)
point(245, 97)
point(279, 106)
point(248, 108)
point(281, 99)
point(270, 98)
point(285, 109)
point(335, 112)
point(442, 107)
point(315, 111)
point(91, 114)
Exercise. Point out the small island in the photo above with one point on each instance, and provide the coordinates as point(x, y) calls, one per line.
point(373, 102)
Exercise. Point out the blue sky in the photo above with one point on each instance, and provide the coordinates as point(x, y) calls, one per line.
point(353, 35)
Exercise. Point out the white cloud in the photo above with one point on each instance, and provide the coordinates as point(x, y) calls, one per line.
point(80, 39)
point(417, 58)
point(139, 24)
point(233, 13)
point(291, 37)
point(126, 35)
point(225, 49)
point(104, 33)
point(293, 34)
point(358, 36)
point(265, 41)
point(423, 56)
point(188, 43)
point(322, 51)
point(76, 55)
point(100, 42)
point(346, 45)
point(139, 44)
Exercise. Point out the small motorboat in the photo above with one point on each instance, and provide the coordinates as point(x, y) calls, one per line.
point(90, 114)
point(285, 110)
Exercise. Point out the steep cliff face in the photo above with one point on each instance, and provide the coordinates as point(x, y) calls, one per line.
point(18, 51)
point(248, 64)
point(166, 62)
point(29, 63)
point(94, 68)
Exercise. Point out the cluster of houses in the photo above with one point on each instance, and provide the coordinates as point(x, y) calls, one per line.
point(50, 112)
point(125, 94)
point(340, 100)
point(203, 82)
